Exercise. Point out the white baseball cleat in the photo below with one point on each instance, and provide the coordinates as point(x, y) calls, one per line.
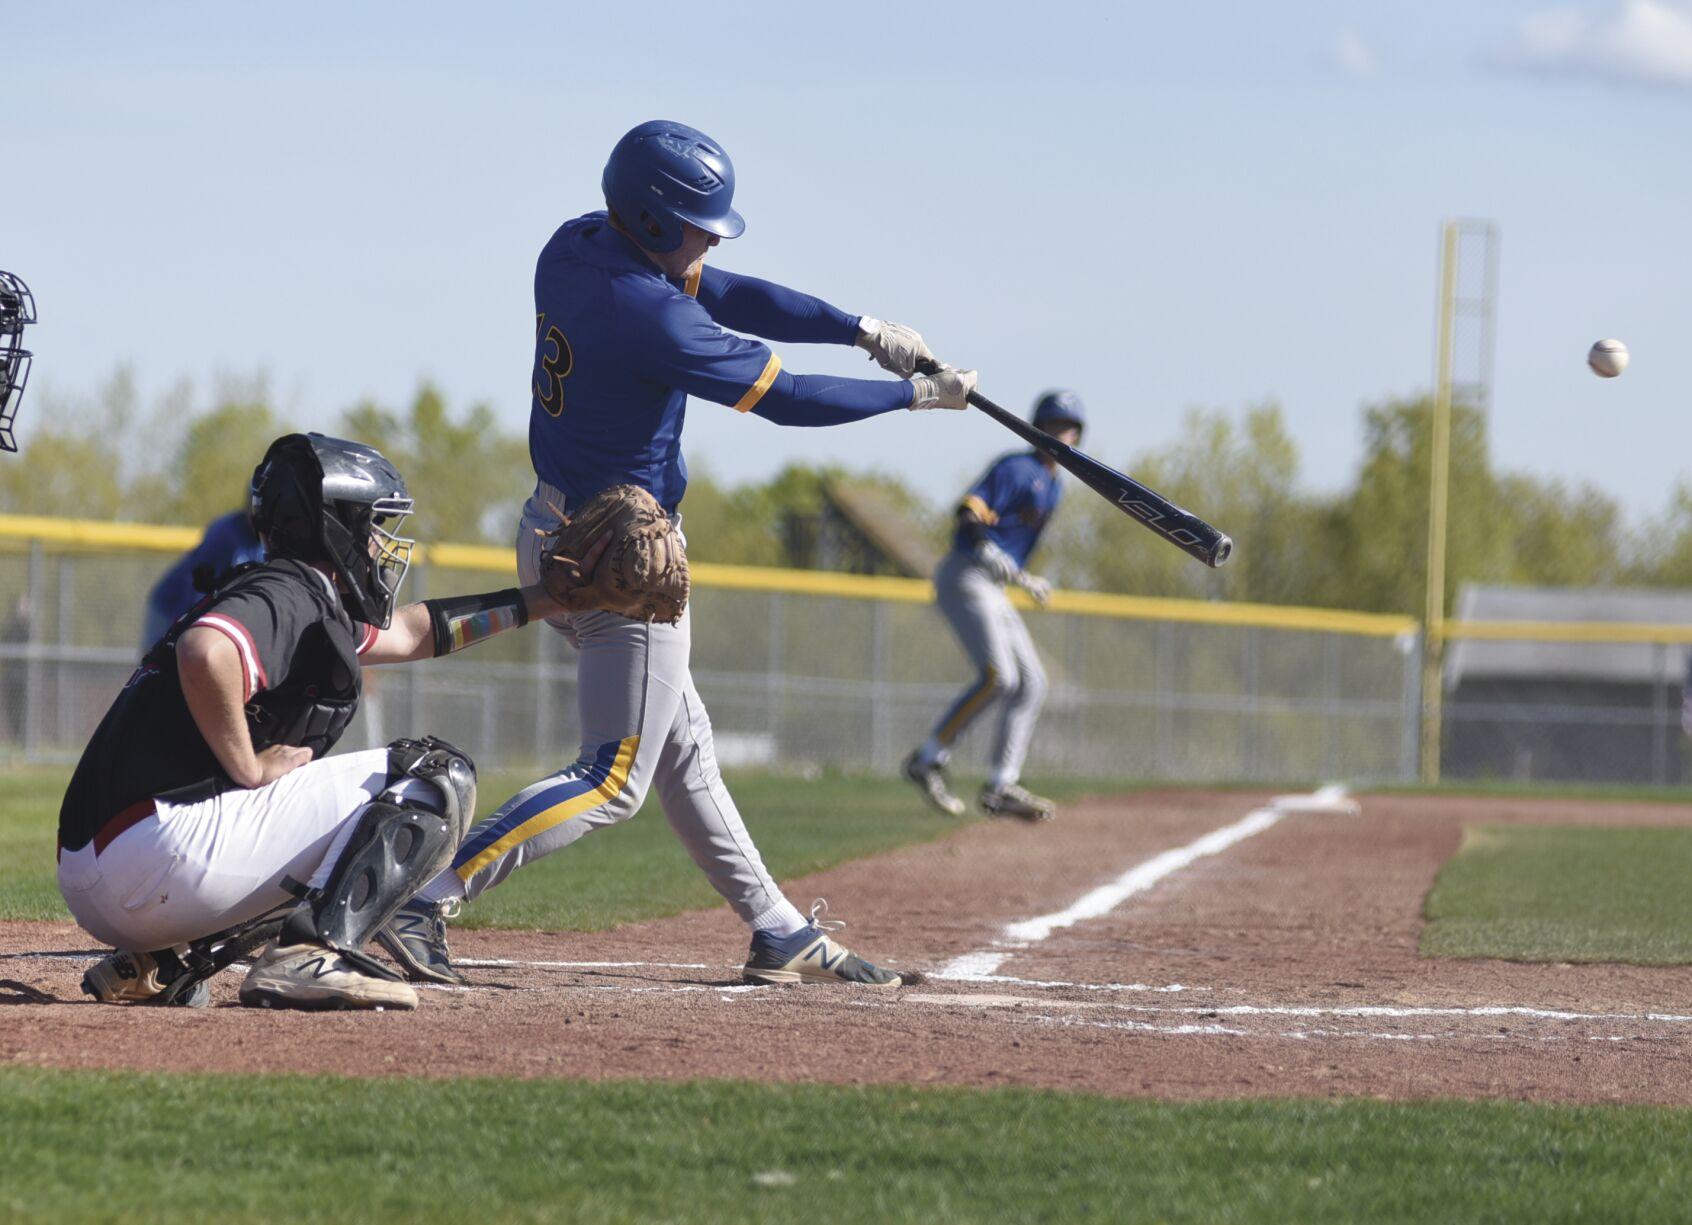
point(316, 977)
point(930, 779)
point(1018, 802)
point(123, 978)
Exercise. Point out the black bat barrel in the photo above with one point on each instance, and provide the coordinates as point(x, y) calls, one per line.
point(1179, 526)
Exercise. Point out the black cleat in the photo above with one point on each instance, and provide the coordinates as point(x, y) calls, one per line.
point(416, 938)
point(810, 956)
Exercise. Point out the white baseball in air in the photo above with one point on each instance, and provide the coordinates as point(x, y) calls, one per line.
point(1607, 358)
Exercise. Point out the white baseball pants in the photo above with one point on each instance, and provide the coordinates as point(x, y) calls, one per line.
point(192, 870)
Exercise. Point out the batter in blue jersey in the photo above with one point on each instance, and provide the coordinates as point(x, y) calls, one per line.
point(629, 324)
point(999, 523)
point(620, 346)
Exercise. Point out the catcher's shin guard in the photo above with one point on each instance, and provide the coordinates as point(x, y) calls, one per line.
point(452, 772)
point(395, 848)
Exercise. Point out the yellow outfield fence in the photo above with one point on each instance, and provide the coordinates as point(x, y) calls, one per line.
point(809, 668)
point(102, 535)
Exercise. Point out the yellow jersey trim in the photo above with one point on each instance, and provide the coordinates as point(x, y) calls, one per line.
point(756, 392)
point(975, 506)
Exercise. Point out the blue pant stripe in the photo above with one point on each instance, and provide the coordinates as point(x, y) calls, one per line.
point(578, 779)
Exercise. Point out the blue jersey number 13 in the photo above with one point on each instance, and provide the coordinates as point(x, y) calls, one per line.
point(554, 366)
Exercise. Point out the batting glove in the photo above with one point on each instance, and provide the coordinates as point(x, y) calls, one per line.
point(1035, 586)
point(945, 388)
point(996, 562)
point(893, 346)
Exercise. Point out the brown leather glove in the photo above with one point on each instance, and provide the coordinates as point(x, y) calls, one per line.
point(643, 572)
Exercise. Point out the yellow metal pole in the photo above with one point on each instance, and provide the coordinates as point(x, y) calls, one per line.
point(1433, 636)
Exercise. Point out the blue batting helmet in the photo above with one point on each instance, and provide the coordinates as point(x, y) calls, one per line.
point(662, 174)
point(1055, 409)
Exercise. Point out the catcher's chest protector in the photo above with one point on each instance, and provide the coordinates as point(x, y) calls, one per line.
point(312, 708)
point(313, 705)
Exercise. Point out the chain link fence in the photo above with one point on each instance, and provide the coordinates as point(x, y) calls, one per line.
point(806, 670)
point(1571, 731)
point(1549, 684)
point(799, 671)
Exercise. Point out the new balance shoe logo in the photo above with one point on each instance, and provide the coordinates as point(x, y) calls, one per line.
point(819, 951)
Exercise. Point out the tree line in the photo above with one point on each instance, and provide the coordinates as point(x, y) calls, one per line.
point(187, 457)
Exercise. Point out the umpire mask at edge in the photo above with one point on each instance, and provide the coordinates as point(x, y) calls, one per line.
point(17, 310)
point(337, 503)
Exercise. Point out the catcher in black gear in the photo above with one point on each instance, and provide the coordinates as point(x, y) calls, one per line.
point(205, 817)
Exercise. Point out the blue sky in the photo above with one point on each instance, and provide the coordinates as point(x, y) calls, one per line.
point(1161, 206)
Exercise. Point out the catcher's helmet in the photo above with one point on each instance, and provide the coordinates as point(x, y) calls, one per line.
point(1056, 409)
point(17, 309)
point(662, 174)
point(319, 499)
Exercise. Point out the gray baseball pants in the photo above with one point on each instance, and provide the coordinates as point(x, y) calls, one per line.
point(994, 637)
point(643, 727)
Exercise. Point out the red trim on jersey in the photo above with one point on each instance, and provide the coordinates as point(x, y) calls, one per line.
point(252, 668)
point(368, 639)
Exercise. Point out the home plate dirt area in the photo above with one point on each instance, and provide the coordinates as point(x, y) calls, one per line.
point(1168, 944)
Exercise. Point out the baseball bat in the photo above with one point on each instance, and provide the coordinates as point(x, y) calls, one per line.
point(1179, 526)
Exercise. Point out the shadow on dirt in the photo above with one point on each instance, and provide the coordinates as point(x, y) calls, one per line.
point(14, 992)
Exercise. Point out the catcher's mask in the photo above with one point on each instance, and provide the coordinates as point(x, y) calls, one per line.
point(17, 309)
point(319, 499)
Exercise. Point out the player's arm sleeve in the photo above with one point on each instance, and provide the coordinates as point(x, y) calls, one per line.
point(772, 311)
point(817, 399)
point(264, 621)
point(683, 347)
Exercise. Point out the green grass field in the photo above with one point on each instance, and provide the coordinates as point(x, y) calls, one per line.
point(29, 814)
point(1613, 793)
point(635, 871)
point(87, 1146)
point(102, 1146)
point(1565, 893)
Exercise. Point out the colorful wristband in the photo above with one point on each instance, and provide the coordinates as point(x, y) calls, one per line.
point(464, 620)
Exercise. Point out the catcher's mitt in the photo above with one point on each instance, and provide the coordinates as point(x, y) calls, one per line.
point(641, 574)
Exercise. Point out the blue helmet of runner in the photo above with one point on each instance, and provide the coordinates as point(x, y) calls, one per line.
point(664, 173)
point(1056, 409)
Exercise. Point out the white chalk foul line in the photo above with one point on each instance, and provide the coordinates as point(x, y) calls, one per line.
point(1305, 1035)
point(494, 962)
point(1022, 1009)
point(1393, 1011)
point(1060, 984)
point(983, 965)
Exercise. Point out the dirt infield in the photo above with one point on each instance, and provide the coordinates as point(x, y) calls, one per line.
point(1282, 964)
